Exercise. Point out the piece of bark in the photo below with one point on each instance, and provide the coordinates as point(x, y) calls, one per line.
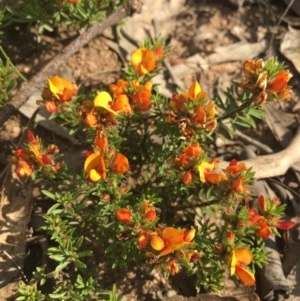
point(271, 277)
point(15, 212)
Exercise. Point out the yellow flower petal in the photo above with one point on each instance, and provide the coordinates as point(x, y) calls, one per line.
point(194, 89)
point(102, 100)
point(94, 175)
point(233, 263)
point(54, 89)
point(202, 167)
point(157, 243)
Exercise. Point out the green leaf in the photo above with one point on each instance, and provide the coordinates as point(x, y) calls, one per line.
point(49, 194)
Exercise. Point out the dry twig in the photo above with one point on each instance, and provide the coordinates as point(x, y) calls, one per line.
point(276, 164)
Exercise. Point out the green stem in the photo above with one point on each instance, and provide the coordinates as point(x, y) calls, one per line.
point(12, 65)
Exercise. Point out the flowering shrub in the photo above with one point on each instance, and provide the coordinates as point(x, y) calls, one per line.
point(150, 190)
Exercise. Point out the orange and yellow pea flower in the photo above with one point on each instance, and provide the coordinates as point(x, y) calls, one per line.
point(178, 102)
point(240, 259)
point(143, 240)
point(235, 167)
point(148, 211)
point(94, 166)
point(121, 104)
point(207, 174)
point(143, 60)
point(119, 88)
point(62, 88)
point(141, 99)
point(252, 67)
point(121, 164)
point(280, 82)
point(171, 266)
point(195, 91)
point(190, 153)
point(23, 169)
point(124, 215)
point(171, 239)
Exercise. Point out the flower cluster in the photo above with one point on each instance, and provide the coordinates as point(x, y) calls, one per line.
point(193, 165)
point(192, 111)
point(166, 247)
point(266, 82)
point(34, 157)
point(265, 217)
point(98, 161)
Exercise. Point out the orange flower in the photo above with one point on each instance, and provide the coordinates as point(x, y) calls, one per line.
point(171, 240)
point(101, 141)
point(62, 88)
point(143, 240)
point(91, 119)
point(124, 215)
point(159, 52)
point(240, 258)
point(151, 215)
point(190, 153)
point(94, 166)
point(187, 178)
point(119, 88)
point(142, 97)
point(279, 83)
point(251, 67)
point(200, 116)
point(178, 102)
point(206, 173)
point(234, 167)
point(190, 235)
point(172, 266)
point(210, 109)
point(194, 150)
point(23, 169)
point(157, 243)
point(51, 106)
point(148, 211)
point(195, 91)
point(121, 104)
point(35, 147)
point(238, 185)
point(143, 61)
point(121, 164)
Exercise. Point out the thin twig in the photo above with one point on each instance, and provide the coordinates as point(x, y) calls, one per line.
point(28, 88)
point(285, 12)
